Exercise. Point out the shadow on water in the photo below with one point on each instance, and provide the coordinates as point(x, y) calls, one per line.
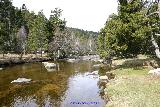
point(68, 83)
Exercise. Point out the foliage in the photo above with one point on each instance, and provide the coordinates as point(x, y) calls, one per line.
point(23, 31)
point(128, 33)
point(83, 42)
point(6, 25)
point(37, 39)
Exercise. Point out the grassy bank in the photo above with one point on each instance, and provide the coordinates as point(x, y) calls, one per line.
point(133, 87)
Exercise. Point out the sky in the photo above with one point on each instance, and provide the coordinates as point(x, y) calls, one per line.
point(89, 15)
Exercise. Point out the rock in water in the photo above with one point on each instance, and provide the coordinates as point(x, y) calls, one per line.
point(71, 60)
point(50, 65)
point(1, 69)
point(51, 70)
point(94, 73)
point(45, 63)
point(21, 80)
point(103, 77)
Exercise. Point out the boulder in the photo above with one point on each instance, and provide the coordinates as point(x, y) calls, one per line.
point(93, 73)
point(45, 63)
point(71, 60)
point(50, 65)
point(154, 71)
point(103, 77)
point(21, 80)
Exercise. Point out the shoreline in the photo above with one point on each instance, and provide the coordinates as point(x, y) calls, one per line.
point(16, 61)
point(13, 59)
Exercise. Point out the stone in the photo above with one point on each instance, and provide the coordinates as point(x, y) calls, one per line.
point(94, 73)
point(50, 70)
point(154, 71)
point(21, 80)
point(103, 77)
point(97, 65)
point(50, 65)
point(71, 60)
point(45, 63)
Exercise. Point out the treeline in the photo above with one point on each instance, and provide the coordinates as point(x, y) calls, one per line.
point(85, 41)
point(134, 30)
point(22, 32)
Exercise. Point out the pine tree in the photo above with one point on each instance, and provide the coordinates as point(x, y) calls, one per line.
point(37, 39)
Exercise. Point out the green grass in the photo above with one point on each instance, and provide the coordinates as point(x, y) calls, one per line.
point(133, 88)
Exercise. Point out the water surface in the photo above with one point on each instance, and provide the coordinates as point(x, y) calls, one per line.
point(69, 83)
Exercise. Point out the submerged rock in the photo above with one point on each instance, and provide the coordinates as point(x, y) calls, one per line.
point(49, 65)
point(21, 80)
point(50, 70)
point(154, 71)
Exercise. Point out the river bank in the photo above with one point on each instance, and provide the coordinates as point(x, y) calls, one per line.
point(12, 59)
point(133, 86)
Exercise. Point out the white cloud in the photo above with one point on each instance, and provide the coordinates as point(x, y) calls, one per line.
point(83, 14)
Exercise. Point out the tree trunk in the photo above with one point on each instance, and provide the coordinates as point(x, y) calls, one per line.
point(3, 54)
point(58, 53)
point(21, 55)
point(41, 52)
point(154, 43)
point(159, 9)
point(157, 52)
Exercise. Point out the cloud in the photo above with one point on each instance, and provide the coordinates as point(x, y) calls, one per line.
point(83, 14)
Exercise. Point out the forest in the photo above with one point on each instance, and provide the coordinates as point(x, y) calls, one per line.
point(134, 30)
point(24, 32)
point(119, 66)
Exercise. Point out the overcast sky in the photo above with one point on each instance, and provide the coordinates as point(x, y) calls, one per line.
point(84, 14)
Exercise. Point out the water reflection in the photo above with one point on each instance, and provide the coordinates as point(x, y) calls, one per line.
point(82, 88)
point(57, 88)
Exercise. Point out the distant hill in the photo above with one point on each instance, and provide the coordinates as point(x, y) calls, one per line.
point(83, 33)
point(84, 42)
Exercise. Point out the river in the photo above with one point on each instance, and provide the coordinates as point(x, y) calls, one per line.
point(70, 85)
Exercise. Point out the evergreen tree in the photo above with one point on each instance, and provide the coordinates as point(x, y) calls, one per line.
point(37, 39)
point(130, 32)
point(7, 18)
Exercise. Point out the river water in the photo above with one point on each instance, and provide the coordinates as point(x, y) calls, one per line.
point(70, 85)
